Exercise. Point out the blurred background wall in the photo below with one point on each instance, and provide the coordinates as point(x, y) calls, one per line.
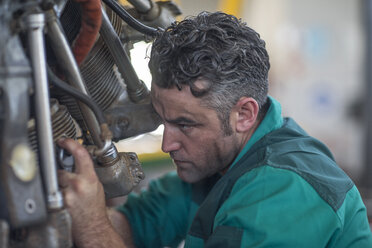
point(319, 54)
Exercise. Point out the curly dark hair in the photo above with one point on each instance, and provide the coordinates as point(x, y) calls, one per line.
point(219, 49)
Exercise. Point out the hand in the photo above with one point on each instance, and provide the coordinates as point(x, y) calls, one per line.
point(83, 194)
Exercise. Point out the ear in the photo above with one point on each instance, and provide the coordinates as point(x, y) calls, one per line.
point(246, 111)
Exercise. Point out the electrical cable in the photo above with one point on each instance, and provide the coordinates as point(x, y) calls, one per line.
point(133, 22)
point(59, 83)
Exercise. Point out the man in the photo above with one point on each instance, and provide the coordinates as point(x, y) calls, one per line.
point(246, 177)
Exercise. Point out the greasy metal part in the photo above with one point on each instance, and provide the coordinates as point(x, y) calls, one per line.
point(103, 87)
point(20, 179)
point(142, 6)
point(153, 13)
point(98, 70)
point(101, 136)
point(109, 157)
point(131, 120)
point(162, 14)
point(130, 20)
point(106, 133)
point(35, 28)
point(105, 149)
point(4, 234)
point(22, 200)
point(69, 90)
point(63, 51)
point(59, 5)
point(137, 90)
point(62, 125)
point(150, 12)
point(120, 178)
point(54, 233)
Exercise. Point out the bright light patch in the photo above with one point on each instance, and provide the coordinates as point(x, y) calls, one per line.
point(140, 55)
point(140, 59)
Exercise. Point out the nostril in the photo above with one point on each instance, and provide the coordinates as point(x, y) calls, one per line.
point(170, 147)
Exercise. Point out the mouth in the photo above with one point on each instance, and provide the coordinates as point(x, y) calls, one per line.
point(179, 162)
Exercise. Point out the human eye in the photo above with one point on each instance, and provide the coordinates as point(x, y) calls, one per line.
point(185, 127)
point(183, 124)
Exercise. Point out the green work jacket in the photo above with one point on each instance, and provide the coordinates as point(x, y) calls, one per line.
point(284, 189)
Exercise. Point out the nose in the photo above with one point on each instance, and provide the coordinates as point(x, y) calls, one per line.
point(171, 141)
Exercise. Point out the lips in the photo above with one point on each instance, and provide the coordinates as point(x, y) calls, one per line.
point(179, 162)
point(176, 160)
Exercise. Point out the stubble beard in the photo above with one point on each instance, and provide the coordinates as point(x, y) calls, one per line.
point(218, 162)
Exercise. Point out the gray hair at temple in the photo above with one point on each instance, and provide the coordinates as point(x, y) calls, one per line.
point(219, 49)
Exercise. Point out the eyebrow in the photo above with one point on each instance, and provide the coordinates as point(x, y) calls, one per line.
point(181, 120)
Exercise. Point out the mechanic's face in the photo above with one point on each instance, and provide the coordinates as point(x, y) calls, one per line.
point(192, 134)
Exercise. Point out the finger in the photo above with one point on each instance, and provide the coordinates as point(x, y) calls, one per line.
point(83, 161)
point(64, 178)
point(68, 197)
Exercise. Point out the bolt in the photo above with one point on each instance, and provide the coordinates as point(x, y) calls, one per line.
point(30, 206)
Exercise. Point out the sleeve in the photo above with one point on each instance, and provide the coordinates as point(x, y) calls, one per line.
point(273, 207)
point(356, 231)
point(158, 216)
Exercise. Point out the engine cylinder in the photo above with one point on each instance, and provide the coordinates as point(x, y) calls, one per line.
point(62, 124)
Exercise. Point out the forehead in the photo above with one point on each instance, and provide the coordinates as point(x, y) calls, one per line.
point(173, 103)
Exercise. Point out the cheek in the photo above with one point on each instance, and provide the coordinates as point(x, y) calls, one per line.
point(221, 153)
point(200, 147)
point(206, 153)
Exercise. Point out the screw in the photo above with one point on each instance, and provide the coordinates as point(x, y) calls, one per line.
point(30, 206)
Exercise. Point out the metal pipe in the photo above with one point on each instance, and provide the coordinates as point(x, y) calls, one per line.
point(35, 26)
point(136, 89)
point(149, 10)
point(142, 6)
point(60, 84)
point(63, 51)
point(130, 20)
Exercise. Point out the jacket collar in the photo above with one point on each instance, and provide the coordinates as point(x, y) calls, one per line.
point(272, 121)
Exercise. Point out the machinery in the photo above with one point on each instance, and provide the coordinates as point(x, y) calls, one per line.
point(65, 72)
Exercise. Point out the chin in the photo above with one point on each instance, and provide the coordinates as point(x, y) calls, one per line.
point(188, 176)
